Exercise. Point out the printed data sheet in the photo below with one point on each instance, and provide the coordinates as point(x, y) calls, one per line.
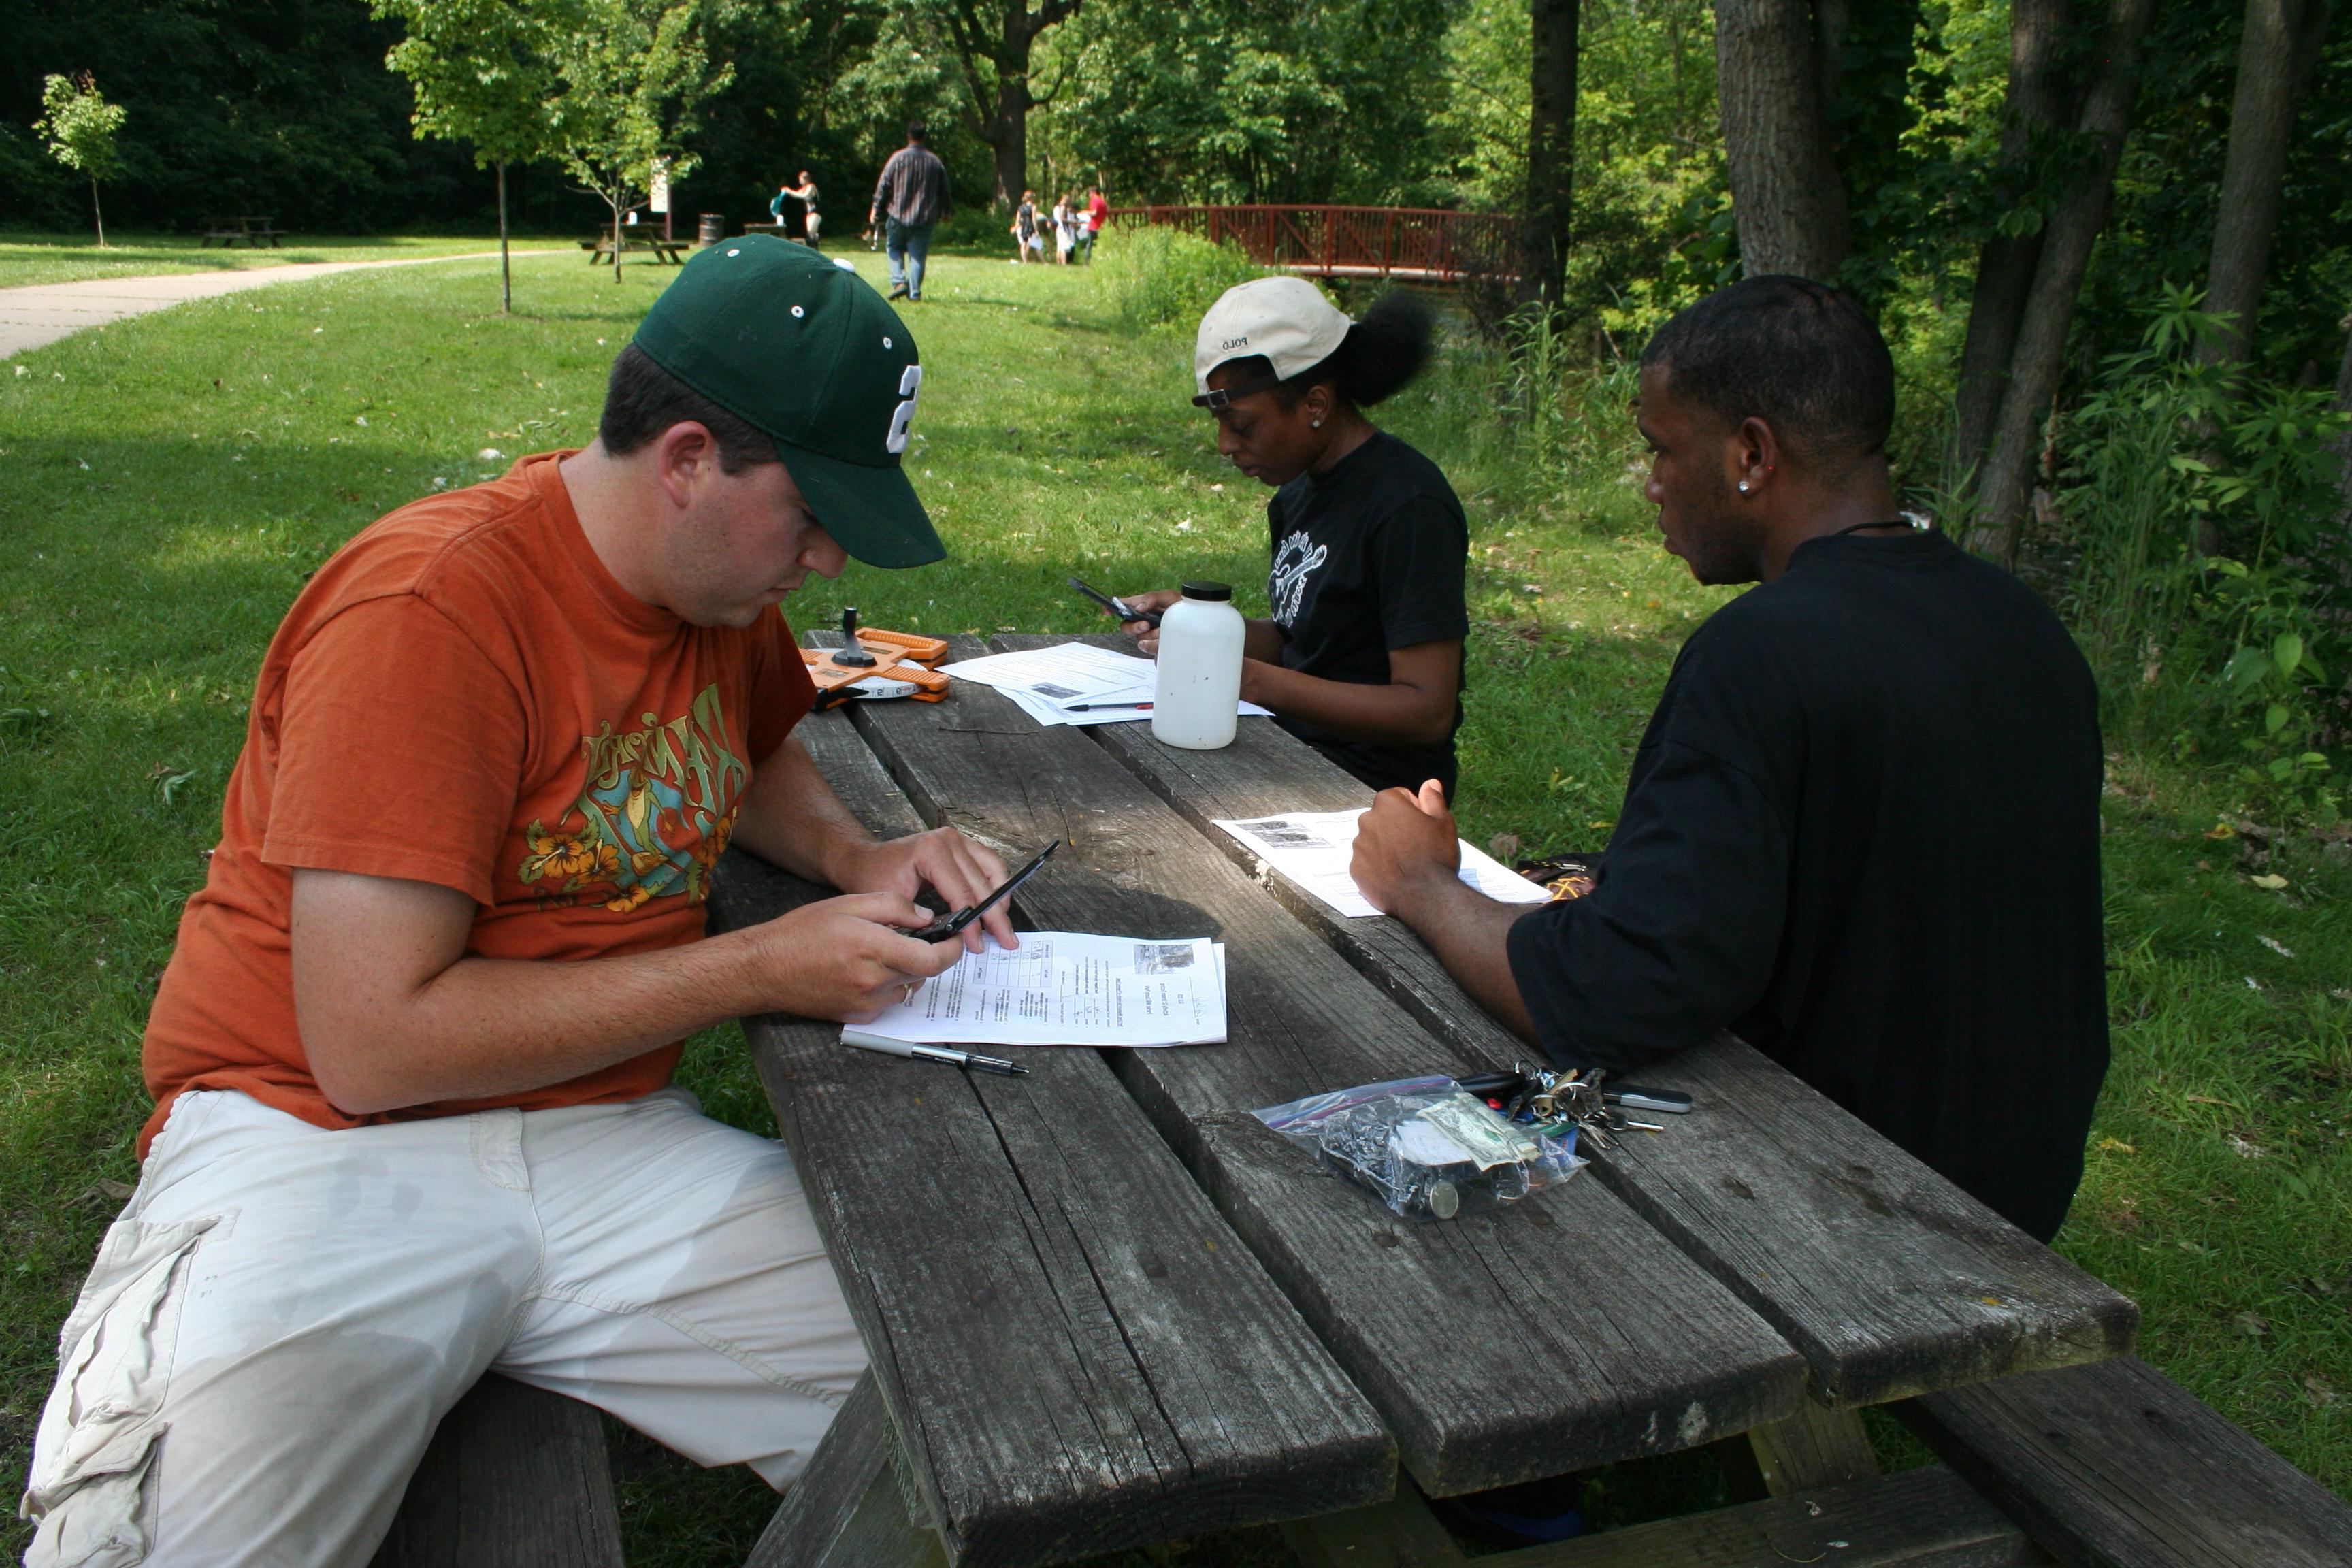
point(1312, 849)
point(1067, 988)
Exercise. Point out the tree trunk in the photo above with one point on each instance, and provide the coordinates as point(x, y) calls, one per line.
point(2274, 54)
point(1787, 198)
point(999, 35)
point(2344, 442)
point(2032, 118)
point(1011, 132)
point(2066, 241)
point(97, 213)
point(506, 272)
point(1551, 149)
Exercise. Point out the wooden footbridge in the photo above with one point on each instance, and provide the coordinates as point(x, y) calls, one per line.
point(1408, 245)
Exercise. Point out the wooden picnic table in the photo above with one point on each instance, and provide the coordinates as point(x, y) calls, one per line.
point(252, 230)
point(667, 251)
point(1107, 1308)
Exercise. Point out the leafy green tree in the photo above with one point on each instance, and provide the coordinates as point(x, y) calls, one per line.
point(1239, 100)
point(992, 42)
point(483, 71)
point(80, 125)
point(634, 73)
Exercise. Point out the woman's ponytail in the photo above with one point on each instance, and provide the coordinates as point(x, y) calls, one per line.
point(1386, 348)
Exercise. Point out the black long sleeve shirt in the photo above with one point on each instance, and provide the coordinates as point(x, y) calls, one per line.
point(1862, 832)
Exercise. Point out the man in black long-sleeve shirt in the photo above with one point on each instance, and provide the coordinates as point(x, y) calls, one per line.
point(1862, 830)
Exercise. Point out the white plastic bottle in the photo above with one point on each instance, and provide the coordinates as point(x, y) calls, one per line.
point(1200, 676)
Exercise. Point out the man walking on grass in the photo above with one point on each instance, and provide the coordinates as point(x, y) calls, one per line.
point(1863, 829)
point(411, 1058)
point(910, 197)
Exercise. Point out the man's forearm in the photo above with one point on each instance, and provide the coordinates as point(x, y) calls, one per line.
point(550, 1021)
point(1470, 934)
point(791, 817)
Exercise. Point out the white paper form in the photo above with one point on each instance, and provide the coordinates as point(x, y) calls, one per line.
point(1313, 849)
point(1046, 683)
point(1068, 988)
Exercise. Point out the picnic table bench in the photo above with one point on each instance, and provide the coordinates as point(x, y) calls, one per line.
point(1107, 1308)
point(252, 230)
point(667, 251)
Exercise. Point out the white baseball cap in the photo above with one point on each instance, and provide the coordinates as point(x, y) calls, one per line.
point(1287, 319)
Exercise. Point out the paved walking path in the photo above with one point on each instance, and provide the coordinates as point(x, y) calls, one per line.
point(44, 312)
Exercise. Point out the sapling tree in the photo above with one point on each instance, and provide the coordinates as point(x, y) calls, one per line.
point(483, 71)
point(79, 124)
point(634, 75)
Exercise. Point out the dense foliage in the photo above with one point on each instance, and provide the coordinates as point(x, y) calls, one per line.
point(286, 107)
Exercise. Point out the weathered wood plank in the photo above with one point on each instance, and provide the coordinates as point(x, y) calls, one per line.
point(515, 1478)
point(846, 1510)
point(1888, 1279)
point(2116, 1466)
point(1558, 1333)
point(1076, 1353)
point(1926, 1518)
point(1817, 1446)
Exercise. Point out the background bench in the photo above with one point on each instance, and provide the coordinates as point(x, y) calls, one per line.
point(515, 1478)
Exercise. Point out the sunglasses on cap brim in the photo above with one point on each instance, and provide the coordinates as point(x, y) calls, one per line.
point(1216, 401)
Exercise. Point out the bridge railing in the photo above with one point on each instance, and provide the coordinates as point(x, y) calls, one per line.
point(1411, 245)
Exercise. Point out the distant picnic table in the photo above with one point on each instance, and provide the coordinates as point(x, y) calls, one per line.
point(250, 229)
point(1107, 1308)
point(667, 251)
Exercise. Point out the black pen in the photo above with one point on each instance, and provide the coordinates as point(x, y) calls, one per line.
point(1101, 706)
point(948, 1055)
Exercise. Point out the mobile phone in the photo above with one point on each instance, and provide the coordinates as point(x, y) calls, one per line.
point(1117, 606)
point(948, 926)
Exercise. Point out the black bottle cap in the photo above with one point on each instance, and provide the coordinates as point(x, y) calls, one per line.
point(1208, 591)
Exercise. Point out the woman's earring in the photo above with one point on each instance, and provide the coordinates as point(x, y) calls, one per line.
point(1743, 487)
point(1315, 423)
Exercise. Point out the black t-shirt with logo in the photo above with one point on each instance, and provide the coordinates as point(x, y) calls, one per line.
point(1367, 558)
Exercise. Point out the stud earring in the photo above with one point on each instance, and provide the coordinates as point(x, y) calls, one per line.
point(1743, 487)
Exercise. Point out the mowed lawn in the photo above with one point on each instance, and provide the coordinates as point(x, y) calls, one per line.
point(28, 257)
point(166, 486)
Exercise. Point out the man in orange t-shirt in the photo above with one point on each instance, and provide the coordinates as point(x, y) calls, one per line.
point(410, 1059)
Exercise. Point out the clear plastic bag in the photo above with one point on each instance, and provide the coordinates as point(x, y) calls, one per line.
point(1426, 1147)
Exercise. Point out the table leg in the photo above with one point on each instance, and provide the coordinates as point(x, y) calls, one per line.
point(846, 1510)
point(1399, 1534)
point(1817, 1446)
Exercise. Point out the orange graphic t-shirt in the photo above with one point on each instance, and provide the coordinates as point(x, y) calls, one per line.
point(465, 696)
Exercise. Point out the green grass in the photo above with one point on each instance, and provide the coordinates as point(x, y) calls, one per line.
point(167, 484)
point(28, 258)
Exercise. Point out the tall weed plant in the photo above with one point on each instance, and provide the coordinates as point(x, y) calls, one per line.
point(2189, 501)
point(1161, 278)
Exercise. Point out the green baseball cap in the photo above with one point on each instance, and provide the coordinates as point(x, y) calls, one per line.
point(805, 350)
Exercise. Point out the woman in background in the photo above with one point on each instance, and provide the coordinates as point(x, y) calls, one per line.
point(1362, 655)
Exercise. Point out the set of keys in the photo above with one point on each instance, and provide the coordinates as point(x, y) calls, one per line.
point(1532, 1094)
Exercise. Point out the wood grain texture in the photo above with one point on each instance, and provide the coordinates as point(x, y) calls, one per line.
point(1817, 1446)
point(1076, 1351)
point(846, 1510)
point(1888, 1279)
point(2116, 1466)
point(515, 1478)
point(1926, 1518)
point(1557, 1333)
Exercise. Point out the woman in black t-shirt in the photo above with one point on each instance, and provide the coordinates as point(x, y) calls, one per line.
point(1361, 656)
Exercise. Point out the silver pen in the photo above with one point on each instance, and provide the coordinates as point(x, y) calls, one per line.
point(884, 1045)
